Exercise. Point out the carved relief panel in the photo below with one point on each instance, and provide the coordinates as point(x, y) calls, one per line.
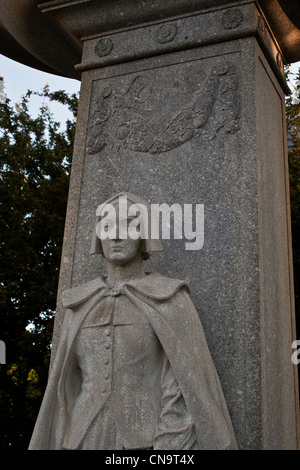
point(157, 110)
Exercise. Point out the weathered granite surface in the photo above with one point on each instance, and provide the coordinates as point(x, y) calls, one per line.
point(198, 127)
point(184, 103)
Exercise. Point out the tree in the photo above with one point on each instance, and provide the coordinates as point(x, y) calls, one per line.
point(35, 165)
point(2, 91)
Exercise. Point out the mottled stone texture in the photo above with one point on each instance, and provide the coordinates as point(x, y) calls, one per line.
point(201, 124)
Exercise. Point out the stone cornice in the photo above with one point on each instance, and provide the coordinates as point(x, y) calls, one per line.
point(50, 35)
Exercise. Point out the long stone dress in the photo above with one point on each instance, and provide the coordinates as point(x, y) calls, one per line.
point(132, 370)
point(120, 356)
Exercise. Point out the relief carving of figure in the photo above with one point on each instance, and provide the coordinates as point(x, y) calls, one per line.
point(132, 368)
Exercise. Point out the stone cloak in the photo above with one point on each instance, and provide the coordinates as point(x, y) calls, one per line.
point(167, 305)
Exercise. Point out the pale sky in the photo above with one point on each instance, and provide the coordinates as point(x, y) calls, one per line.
point(19, 78)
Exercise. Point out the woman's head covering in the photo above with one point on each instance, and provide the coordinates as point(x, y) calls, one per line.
point(149, 244)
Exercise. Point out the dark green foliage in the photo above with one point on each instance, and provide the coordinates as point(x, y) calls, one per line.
point(35, 164)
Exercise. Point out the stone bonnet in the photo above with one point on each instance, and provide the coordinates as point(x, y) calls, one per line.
point(149, 244)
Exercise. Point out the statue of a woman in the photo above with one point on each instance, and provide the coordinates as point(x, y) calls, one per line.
point(132, 369)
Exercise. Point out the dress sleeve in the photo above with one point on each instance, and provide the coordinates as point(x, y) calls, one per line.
point(175, 430)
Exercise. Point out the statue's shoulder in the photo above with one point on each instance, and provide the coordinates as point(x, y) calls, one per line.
point(157, 286)
point(78, 294)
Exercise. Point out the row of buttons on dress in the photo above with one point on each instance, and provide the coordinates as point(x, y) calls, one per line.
point(106, 360)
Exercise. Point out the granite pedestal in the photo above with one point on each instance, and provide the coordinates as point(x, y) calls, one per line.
point(183, 103)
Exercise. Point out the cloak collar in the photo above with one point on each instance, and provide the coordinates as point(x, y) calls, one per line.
point(152, 285)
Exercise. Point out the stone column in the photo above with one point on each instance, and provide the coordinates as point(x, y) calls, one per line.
point(183, 102)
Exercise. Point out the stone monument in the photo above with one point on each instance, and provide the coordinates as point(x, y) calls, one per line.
point(132, 369)
point(183, 103)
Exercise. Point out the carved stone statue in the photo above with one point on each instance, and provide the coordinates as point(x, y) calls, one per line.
point(132, 369)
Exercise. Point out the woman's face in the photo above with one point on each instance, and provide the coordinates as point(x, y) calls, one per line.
point(121, 251)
